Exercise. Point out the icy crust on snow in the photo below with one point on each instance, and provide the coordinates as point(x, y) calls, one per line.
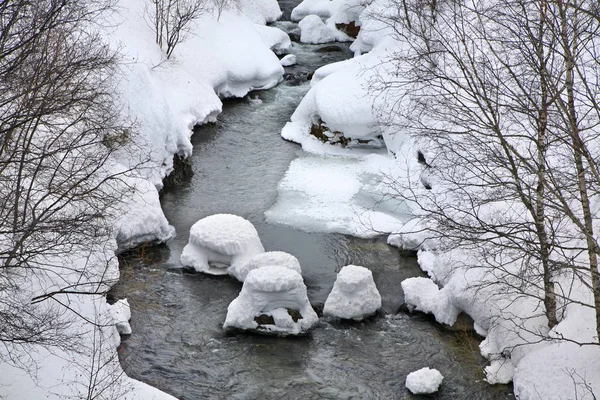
point(354, 294)
point(272, 290)
point(121, 314)
point(218, 241)
point(270, 258)
point(314, 31)
point(339, 194)
point(424, 381)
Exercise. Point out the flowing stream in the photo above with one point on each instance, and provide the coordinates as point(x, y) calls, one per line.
point(178, 344)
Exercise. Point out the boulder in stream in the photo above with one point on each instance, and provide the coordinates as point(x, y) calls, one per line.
point(273, 300)
point(354, 294)
point(219, 241)
point(424, 381)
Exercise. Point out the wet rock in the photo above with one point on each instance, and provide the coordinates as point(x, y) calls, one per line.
point(264, 319)
point(350, 29)
point(294, 36)
point(182, 172)
point(329, 49)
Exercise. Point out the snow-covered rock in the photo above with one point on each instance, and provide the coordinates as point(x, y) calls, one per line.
point(288, 60)
point(276, 294)
point(121, 314)
point(354, 294)
point(218, 241)
point(270, 258)
point(424, 381)
point(314, 31)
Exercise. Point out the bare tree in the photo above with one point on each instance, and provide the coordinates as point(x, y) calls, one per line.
point(171, 20)
point(60, 128)
point(504, 92)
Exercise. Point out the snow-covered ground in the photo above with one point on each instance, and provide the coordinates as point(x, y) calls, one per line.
point(222, 56)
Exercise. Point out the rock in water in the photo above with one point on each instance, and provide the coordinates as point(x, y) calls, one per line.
point(276, 292)
point(424, 381)
point(354, 294)
point(288, 60)
point(218, 241)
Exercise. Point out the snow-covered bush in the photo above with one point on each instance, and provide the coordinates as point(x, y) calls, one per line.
point(273, 300)
point(218, 241)
point(354, 294)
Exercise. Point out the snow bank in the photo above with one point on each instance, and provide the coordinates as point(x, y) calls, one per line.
point(424, 381)
point(166, 98)
point(121, 314)
point(272, 291)
point(354, 294)
point(270, 258)
point(218, 241)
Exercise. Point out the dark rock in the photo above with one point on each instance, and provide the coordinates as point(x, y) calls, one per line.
point(328, 49)
point(349, 29)
point(294, 37)
point(295, 314)
point(264, 319)
point(182, 172)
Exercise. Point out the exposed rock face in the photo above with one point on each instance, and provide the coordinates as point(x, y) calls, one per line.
point(182, 172)
point(350, 29)
point(322, 132)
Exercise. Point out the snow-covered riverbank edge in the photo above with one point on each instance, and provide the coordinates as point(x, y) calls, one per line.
point(341, 106)
point(225, 54)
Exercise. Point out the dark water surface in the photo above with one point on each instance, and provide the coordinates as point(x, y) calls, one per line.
point(178, 344)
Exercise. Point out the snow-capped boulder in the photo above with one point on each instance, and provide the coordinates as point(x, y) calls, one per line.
point(121, 314)
point(354, 294)
point(424, 381)
point(273, 300)
point(270, 258)
point(288, 60)
point(218, 241)
point(314, 31)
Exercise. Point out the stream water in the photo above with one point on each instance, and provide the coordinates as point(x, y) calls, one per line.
point(178, 344)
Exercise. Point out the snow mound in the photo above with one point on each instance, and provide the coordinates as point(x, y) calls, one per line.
point(277, 297)
point(270, 258)
point(314, 31)
point(322, 8)
point(422, 294)
point(424, 381)
point(288, 60)
point(354, 294)
point(121, 314)
point(218, 241)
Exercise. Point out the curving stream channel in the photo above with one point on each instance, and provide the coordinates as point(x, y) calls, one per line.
point(178, 344)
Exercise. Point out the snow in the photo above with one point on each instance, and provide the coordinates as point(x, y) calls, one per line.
point(121, 314)
point(314, 31)
point(348, 196)
point(269, 258)
point(164, 99)
point(288, 60)
point(218, 241)
point(424, 381)
point(321, 8)
point(354, 294)
point(271, 290)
